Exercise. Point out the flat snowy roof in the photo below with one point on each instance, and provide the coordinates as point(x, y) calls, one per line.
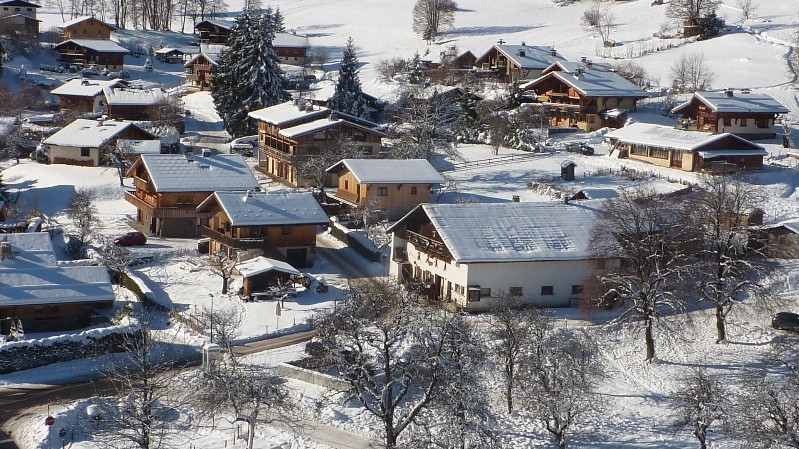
point(88, 133)
point(391, 171)
point(54, 285)
point(269, 209)
point(513, 232)
point(283, 113)
point(33, 249)
point(736, 102)
point(135, 146)
point(177, 173)
point(133, 97)
point(83, 87)
point(262, 264)
point(668, 137)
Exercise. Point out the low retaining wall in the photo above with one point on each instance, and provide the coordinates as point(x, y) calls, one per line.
point(313, 377)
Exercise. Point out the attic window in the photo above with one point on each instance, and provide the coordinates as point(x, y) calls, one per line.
point(85, 152)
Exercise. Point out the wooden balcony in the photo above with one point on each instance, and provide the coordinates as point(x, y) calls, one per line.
point(138, 202)
point(230, 242)
point(428, 245)
point(141, 184)
point(347, 197)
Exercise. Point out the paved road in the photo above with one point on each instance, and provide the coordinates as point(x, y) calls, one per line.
point(341, 258)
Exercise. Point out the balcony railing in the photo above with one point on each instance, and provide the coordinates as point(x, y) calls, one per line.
point(244, 243)
point(138, 202)
point(428, 245)
point(141, 184)
point(348, 196)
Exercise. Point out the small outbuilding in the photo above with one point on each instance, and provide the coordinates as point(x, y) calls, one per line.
point(260, 273)
point(567, 170)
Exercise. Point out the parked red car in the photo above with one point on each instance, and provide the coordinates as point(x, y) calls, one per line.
point(131, 238)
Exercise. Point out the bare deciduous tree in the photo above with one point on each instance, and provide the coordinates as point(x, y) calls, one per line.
point(691, 73)
point(701, 402)
point(599, 16)
point(223, 265)
point(226, 324)
point(748, 9)
point(430, 17)
point(560, 380)
point(423, 124)
point(691, 10)
point(728, 268)
point(645, 231)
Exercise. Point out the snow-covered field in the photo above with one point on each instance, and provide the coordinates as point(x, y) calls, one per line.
point(752, 56)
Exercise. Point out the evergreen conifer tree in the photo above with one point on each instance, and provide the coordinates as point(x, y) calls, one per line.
point(415, 70)
point(349, 97)
point(277, 19)
point(248, 76)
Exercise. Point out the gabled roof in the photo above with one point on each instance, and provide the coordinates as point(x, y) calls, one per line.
point(30, 250)
point(210, 52)
point(669, 137)
point(527, 56)
point(83, 87)
point(135, 146)
point(90, 133)
point(262, 264)
point(728, 101)
point(133, 97)
point(225, 24)
point(182, 50)
point(268, 209)
point(177, 173)
point(49, 285)
point(27, 18)
point(511, 232)
point(78, 20)
point(22, 3)
point(285, 113)
point(289, 40)
point(98, 45)
point(390, 171)
point(322, 124)
point(590, 82)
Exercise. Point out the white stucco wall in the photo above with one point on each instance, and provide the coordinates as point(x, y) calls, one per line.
point(73, 153)
point(736, 127)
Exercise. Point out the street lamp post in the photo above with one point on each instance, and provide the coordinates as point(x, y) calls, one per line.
point(211, 316)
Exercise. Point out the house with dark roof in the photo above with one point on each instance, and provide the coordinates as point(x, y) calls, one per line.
point(18, 20)
point(291, 48)
point(169, 187)
point(472, 254)
point(744, 114)
point(84, 95)
point(176, 55)
point(213, 31)
point(90, 142)
point(279, 225)
point(686, 150)
point(103, 53)
point(42, 295)
point(511, 63)
point(584, 95)
point(291, 131)
point(392, 187)
point(198, 68)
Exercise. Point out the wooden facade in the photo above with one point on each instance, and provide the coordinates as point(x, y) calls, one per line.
point(511, 63)
point(198, 72)
point(755, 122)
point(213, 33)
point(88, 28)
point(52, 316)
point(20, 27)
point(80, 103)
point(73, 53)
point(392, 200)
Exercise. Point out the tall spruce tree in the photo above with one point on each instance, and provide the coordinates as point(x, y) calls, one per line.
point(349, 97)
point(248, 76)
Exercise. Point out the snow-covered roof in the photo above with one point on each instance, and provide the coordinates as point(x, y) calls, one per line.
point(289, 40)
point(596, 194)
point(528, 56)
point(729, 101)
point(566, 163)
point(591, 82)
point(19, 3)
point(130, 146)
point(32, 249)
point(717, 153)
point(210, 52)
point(98, 45)
point(391, 171)
point(83, 87)
point(133, 97)
point(512, 232)
point(88, 133)
point(668, 137)
point(78, 20)
point(322, 124)
point(54, 285)
point(177, 173)
point(269, 209)
point(184, 50)
point(283, 113)
point(791, 225)
point(262, 264)
point(226, 24)
point(6, 123)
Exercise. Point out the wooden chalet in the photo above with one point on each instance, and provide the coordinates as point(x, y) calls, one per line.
point(213, 31)
point(296, 129)
point(18, 7)
point(133, 104)
point(84, 95)
point(291, 48)
point(103, 53)
point(686, 150)
point(169, 187)
point(584, 95)
point(91, 142)
point(85, 28)
point(41, 295)
point(20, 27)
point(279, 225)
point(511, 63)
point(261, 273)
point(392, 187)
point(745, 114)
point(198, 68)
point(176, 55)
